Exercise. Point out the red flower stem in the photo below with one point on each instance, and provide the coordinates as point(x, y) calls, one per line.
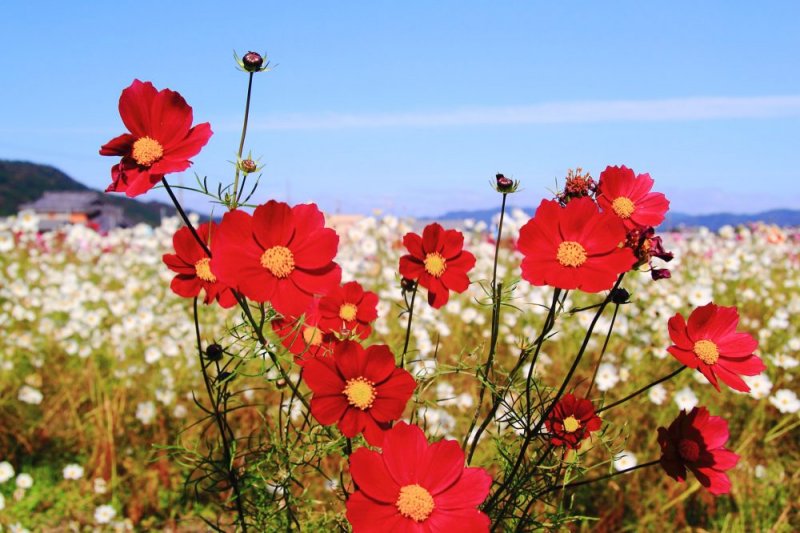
point(185, 218)
point(603, 351)
point(638, 392)
point(235, 196)
point(533, 433)
point(498, 397)
point(496, 292)
point(408, 325)
point(222, 425)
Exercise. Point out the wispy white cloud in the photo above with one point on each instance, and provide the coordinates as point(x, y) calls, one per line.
point(671, 109)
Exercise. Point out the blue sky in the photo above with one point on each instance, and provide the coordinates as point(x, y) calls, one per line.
point(412, 107)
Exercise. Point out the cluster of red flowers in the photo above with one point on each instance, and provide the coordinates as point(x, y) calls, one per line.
point(284, 255)
point(578, 242)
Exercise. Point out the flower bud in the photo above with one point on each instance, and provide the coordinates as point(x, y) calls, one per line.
point(407, 284)
point(620, 296)
point(248, 166)
point(224, 376)
point(252, 61)
point(214, 352)
point(503, 183)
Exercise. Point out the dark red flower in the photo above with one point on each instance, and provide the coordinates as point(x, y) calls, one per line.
point(361, 390)
point(280, 254)
point(573, 247)
point(710, 343)
point(695, 441)
point(438, 261)
point(194, 267)
point(161, 138)
point(303, 336)
point(348, 310)
point(628, 196)
point(416, 487)
point(571, 421)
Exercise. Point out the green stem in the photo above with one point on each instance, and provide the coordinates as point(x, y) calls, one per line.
point(235, 196)
point(408, 325)
point(638, 392)
point(603, 351)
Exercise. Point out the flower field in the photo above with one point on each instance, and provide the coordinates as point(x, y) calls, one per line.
point(99, 373)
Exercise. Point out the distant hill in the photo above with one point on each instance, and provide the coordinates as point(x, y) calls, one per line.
point(22, 182)
point(781, 217)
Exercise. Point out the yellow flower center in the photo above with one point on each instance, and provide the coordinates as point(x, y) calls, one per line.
point(435, 264)
point(571, 254)
point(147, 151)
point(312, 335)
point(623, 207)
point(706, 351)
point(203, 270)
point(571, 424)
point(278, 260)
point(348, 312)
point(360, 393)
point(415, 502)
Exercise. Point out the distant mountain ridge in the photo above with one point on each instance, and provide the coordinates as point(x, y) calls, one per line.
point(22, 182)
point(714, 221)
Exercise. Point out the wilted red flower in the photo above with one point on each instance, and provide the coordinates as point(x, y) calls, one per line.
point(416, 486)
point(348, 310)
point(628, 196)
point(194, 267)
point(571, 421)
point(695, 441)
point(161, 138)
point(360, 389)
point(303, 336)
point(280, 254)
point(710, 343)
point(573, 247)
point(438, 262)
point(577, 185)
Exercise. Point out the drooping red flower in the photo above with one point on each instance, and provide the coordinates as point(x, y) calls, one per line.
point(710, 343)
point(361, 390)
point(193, 266)
point(349, 310)
point(280, 254)
point(628, 196)
point(303, 336)
point(438, 261)
point(571, 421)
point(695, 441)
point(161, 138)
point(416, 487)
point(573, 247)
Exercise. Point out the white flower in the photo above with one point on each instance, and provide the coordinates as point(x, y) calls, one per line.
point(180, 411)
point(146, 412)
point(657, 394)
point(100, 485)
point(625, 460)
point(6, 241)
point(2, 502)
point(784, 361)
point(686, 399)
point(6, 471)
point(24, 481)
point(104, 514)
point(151, 355)
point(17, 528)
point(760, 385)
point(785, 401)
point(607, 376)
point(760, 471)
point(30, 395)
point(73, 472)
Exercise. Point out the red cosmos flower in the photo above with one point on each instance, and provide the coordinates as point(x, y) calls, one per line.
point(280, 254)
point(416, 487)
point(304, 336)
point(628, 196)
point(710, 343)
point(696, 440)
point(438, 261)
point(349, 308)
point(571, 421)
point(161, 138)
point(193, 267)
point(573, 247)
point(362, 390)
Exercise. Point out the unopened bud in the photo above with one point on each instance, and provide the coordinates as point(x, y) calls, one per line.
point(248, 165)
point(252, 61)
point(503, 183)
point(214, 352)
point(407, 284)
point(620, 296)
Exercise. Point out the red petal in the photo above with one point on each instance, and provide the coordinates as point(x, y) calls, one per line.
point(469, 491)
point(379, 363)
point(404, 446)
point(120, 146)
point(441, 466)
point(328, 409)
point(370, 474)
point(135, 104)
